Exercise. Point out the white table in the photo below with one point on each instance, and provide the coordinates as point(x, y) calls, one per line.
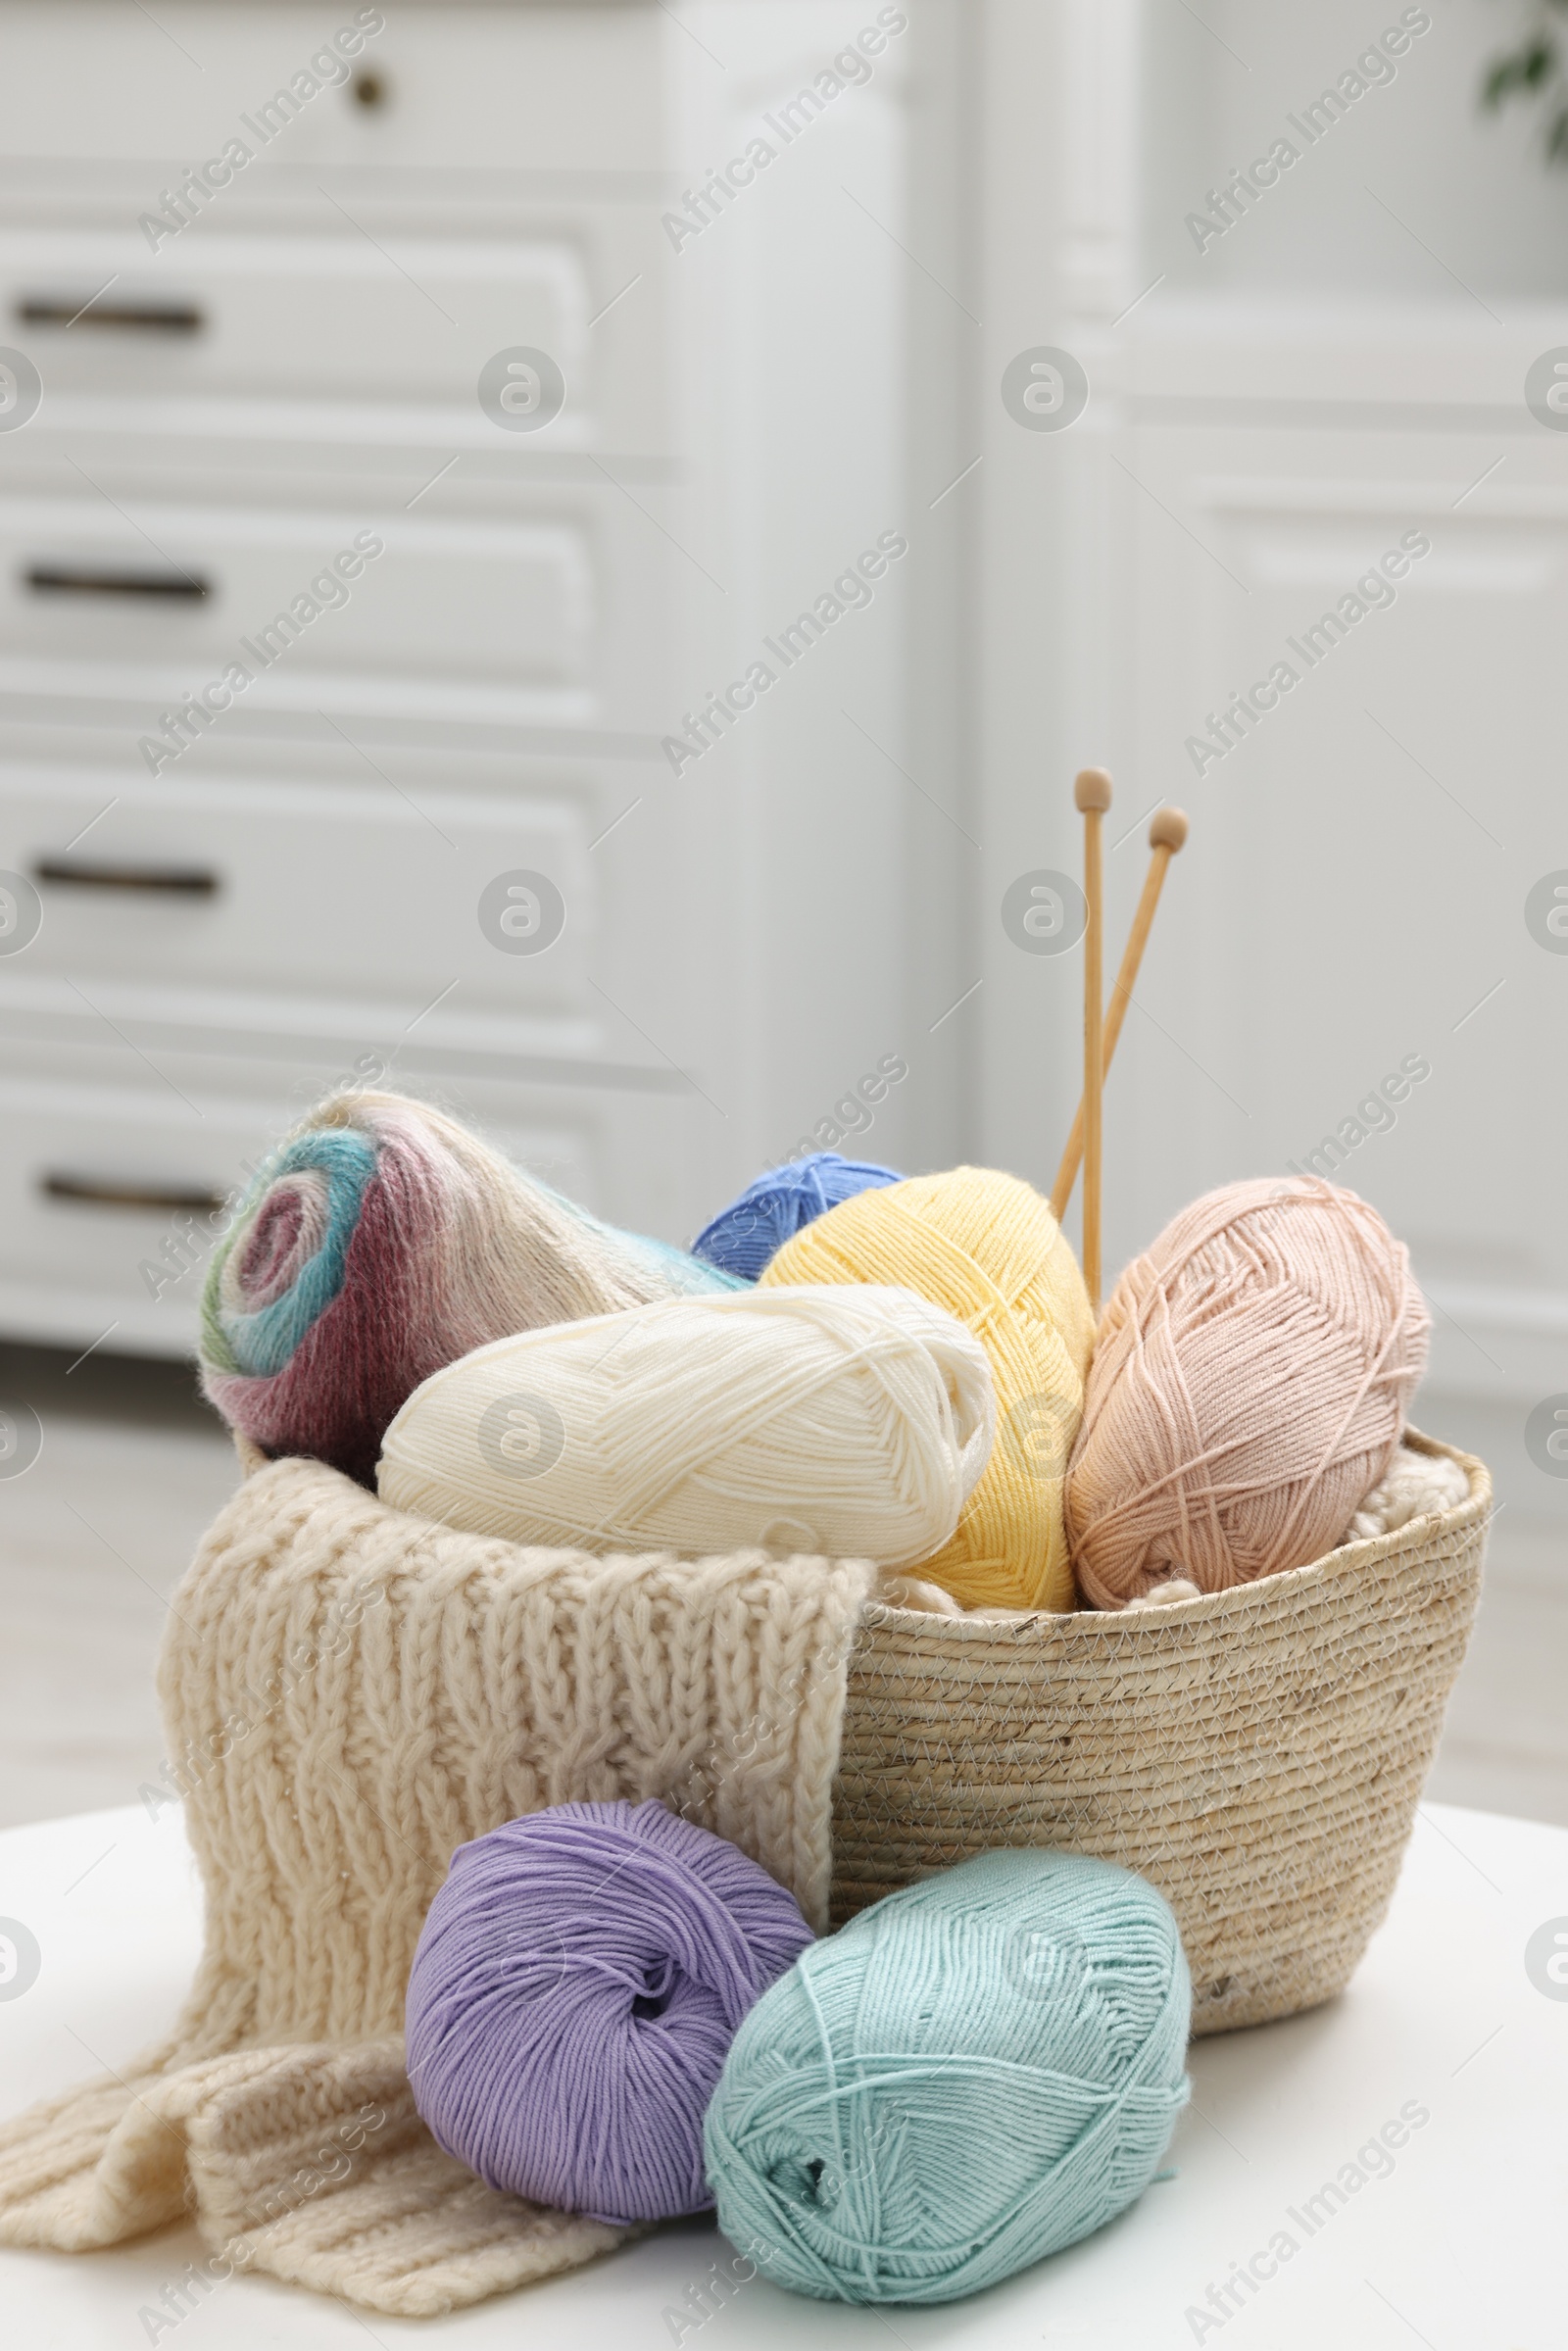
point(1459, 2246)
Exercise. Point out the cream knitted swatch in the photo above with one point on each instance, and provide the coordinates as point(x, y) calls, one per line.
point(1413, 1486)
point(349, 1695)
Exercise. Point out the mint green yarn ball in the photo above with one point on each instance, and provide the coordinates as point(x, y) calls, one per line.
point(977, 2071)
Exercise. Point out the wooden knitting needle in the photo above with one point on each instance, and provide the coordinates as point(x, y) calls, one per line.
point(1167, 831)
point(1092, 792)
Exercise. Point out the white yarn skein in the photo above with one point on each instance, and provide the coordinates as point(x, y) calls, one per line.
point(846, 1419)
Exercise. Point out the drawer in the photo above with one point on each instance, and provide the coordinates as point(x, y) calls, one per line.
point(282, 906)
point(107, 1180)
point(576, 88)
point(300, 322)
point(447, 613)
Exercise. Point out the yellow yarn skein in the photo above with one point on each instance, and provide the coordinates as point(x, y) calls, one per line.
point(985, 1247)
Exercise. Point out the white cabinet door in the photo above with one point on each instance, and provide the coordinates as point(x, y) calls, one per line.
point(1370, 867)
point(564, 92)
point(288, 904)
point(293, 318)
point(267, 604)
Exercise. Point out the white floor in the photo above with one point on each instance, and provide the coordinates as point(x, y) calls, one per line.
point(94, 1539)
point(96, 1535)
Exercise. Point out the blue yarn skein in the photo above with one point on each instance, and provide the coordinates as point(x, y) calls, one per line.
point(977, 2071)
point(742, 1238)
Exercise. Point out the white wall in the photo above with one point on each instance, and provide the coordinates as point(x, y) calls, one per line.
point(1471, 185)
point(819, 368)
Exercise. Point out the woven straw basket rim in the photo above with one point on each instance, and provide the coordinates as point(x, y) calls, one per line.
point(1345, 1560)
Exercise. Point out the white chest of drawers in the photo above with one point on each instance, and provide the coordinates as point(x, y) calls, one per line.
point(252, 889)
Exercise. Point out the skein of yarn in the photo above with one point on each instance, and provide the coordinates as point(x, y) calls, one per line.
point(379, 1241)
point(1248, 1388)
point(974, 2073)
point(847, 1423)
point(756, 1226)
point(986, 1248)
point(577, 1986)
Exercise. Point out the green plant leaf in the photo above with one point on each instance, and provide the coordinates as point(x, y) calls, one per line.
point(1533, 70)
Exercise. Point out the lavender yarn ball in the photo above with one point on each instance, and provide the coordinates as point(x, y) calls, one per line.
point(576, 1987)
point(754, 1228)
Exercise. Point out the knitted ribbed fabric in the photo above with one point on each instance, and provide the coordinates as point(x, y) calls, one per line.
point(349, 1695)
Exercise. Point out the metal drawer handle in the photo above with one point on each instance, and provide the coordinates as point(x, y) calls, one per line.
point(73, 579)
point(75, 873)
point(110, 1192)
point(156, 317)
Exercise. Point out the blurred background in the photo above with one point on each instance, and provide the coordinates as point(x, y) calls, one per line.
point(1123, 338)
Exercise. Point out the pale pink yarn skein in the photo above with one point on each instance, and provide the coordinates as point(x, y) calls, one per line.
point(1249, 1387)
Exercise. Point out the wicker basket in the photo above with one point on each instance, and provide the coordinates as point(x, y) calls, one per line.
point(1258, 1754)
